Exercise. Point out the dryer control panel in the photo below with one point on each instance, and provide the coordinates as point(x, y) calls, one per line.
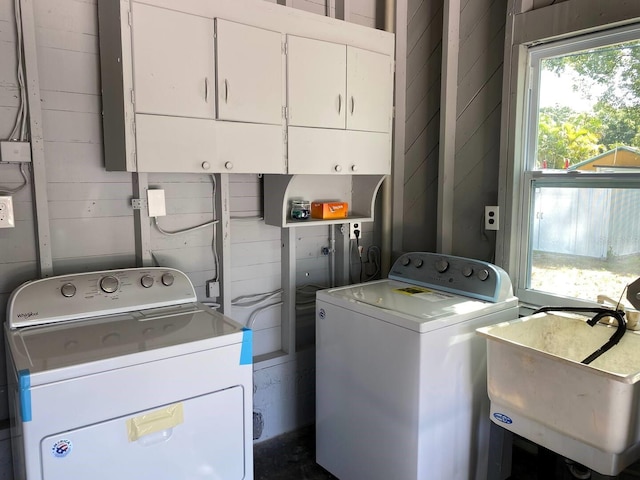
point(462, 276)
point(86, 295)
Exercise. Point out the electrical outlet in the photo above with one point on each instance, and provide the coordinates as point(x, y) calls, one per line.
point(355, 231)
point(6, 213)
point(491, 218)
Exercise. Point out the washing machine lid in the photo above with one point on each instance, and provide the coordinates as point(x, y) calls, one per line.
point(411, 306)
point(127, 338)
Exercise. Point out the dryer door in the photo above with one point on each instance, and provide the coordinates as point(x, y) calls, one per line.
point(197, 438)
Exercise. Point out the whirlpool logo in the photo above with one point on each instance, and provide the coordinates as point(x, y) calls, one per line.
point(501, 417)
point(28, 315)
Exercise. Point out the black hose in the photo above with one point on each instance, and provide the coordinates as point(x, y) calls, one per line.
point(600, 313)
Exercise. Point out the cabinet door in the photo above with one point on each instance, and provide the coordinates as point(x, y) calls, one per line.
point(316, 83)
point(173, 62)
point(369, 90)
point(338, 152)
point(179, 144)
point(249, 73)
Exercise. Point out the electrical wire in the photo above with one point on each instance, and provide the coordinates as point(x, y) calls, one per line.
point(373, 256)
point(19, 131)
point(25, 181)
point(257, 311)
point(185, 230)
point(216, 259)
point(259, 298)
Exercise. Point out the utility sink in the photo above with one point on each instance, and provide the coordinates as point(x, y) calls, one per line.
point(539, 389)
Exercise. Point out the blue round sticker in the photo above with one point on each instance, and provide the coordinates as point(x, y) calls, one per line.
point(501, 417)
point(61, 448)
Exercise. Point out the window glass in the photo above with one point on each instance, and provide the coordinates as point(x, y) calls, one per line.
point(588, 115)
point(585, 242)
point(582, 170)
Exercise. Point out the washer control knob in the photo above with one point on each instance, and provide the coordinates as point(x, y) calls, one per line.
point(419, 263)
point(68, 290)
point(406, 261)
point(338, 168)
point(467, 271)
point(206, 165)
point(146, 281)
point(167, 279)
point(483, 274)
point(109, 284)
point(228, 165)
point(354, 168)
point(442, 265)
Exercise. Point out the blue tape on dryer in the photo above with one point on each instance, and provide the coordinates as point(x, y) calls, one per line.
point(24, 392)
point(246, 351)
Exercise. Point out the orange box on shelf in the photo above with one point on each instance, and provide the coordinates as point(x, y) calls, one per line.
point(329, 210)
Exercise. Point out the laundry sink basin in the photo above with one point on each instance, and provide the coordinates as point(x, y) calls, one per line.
point(539, 389)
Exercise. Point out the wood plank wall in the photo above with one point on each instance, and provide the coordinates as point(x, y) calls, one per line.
point(478, 124)
point(424, 64)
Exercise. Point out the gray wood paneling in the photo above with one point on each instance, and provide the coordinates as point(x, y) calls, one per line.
point(424, 64)
point(478, 124)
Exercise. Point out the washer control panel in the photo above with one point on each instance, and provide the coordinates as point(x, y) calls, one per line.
point(92, 294)
point(463, 276)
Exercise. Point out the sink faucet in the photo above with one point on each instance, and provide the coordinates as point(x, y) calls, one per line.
point(600, 313)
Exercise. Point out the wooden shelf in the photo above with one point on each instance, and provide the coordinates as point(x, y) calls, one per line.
point(358, 190)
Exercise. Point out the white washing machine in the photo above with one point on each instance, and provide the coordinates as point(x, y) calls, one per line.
point(121, 374)
point(401, 388)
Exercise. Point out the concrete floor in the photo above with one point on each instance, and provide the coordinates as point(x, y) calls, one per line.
point(292, 457)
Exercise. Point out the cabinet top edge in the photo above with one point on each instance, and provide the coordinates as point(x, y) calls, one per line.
point(279, 18)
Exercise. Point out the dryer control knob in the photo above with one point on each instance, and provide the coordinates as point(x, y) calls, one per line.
point(228, 165)
point(483, 274)
point(442, 265)
point(406, 261)
point(146, 281)
point(467, 271)
point(338, 168)
point(68, 290)
point(419, 263)
point(206, 165)
point(109, 284)
point(167, 279)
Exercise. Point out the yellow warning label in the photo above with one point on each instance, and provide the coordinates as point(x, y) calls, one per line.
point(411, 290)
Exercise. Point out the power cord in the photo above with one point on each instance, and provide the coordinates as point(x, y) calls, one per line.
point(356, 232)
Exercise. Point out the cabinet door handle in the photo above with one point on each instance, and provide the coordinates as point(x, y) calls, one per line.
point(226, 90)
point(206, 89)
point(339, 103)
point(353, 104)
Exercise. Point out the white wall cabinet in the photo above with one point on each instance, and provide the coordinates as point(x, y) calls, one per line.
point(199, 94)
point(340, 108)
point(241, 87)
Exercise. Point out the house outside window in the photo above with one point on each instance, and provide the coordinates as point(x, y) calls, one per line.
point(575, 236)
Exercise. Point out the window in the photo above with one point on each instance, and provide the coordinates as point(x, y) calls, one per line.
point(579, 231)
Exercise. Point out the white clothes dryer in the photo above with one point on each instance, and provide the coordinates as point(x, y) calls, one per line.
point(401, 388)
point(122, 374)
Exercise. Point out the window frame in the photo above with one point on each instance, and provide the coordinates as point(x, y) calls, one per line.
point(526, 44)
